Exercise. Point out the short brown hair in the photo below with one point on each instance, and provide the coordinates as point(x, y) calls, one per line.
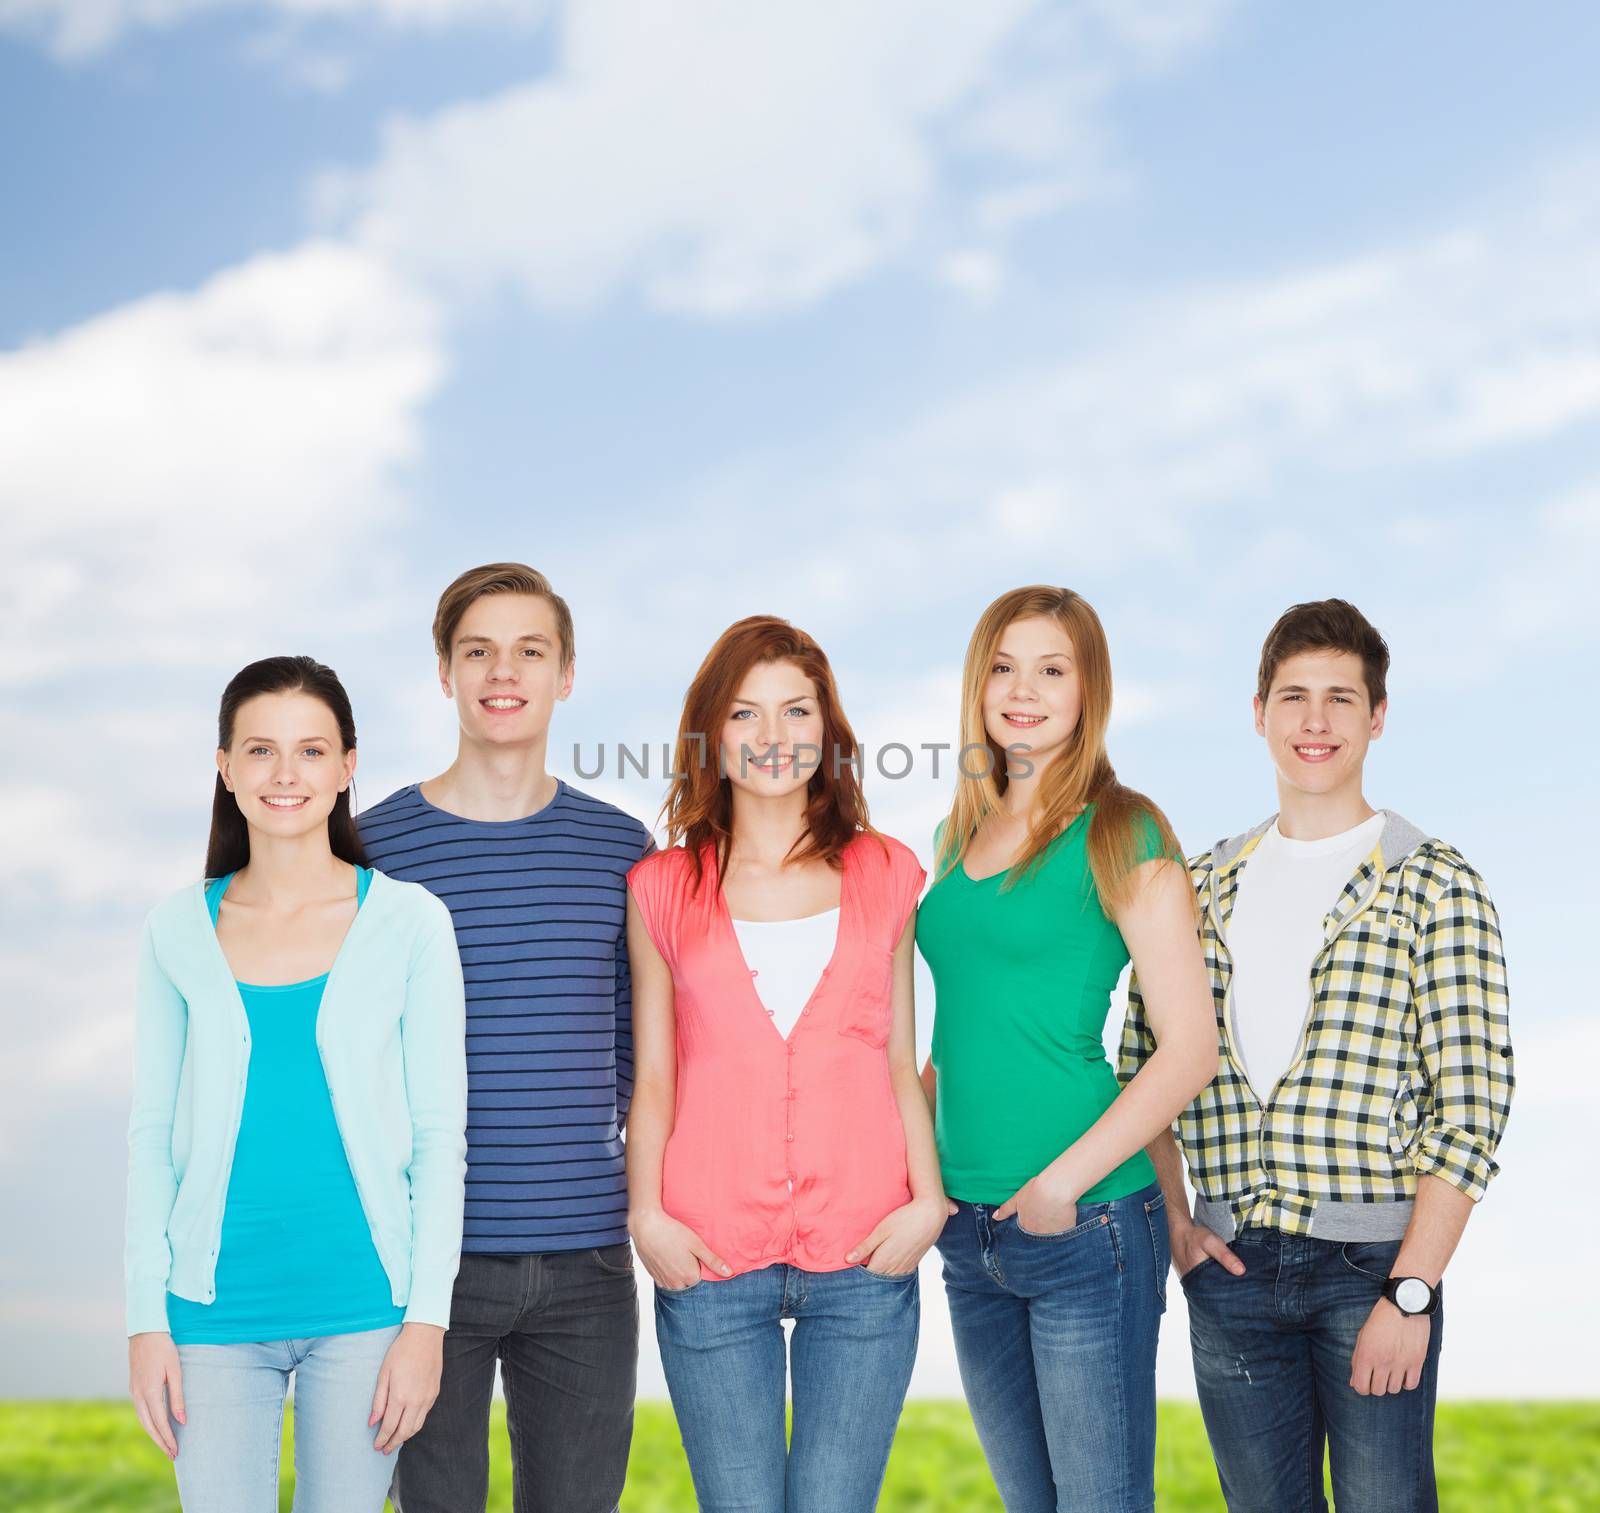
point(1326, 625)
point(497, 578)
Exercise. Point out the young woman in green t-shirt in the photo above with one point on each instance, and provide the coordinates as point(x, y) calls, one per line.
point(1050, 876)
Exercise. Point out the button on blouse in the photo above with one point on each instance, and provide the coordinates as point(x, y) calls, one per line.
point(782, 1149)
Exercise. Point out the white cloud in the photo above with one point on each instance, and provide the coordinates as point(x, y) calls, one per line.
point(976, 273)
point(78, 29)
point(184, 460)
point(727, 158)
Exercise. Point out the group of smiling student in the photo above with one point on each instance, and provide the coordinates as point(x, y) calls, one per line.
point(385, 1063)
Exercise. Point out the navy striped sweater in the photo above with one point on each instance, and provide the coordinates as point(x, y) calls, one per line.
point(540, 910)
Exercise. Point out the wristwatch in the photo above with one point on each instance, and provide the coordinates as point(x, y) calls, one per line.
point(1411, 1295)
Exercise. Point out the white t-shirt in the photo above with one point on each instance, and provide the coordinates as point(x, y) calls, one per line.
point(1286, 891)
point(786, 958)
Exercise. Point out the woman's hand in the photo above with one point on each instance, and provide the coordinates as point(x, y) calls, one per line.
point(902, 1238)
point(153, 1368)
point(408, 1384)
point(1045, 1206)
point(671, 1251)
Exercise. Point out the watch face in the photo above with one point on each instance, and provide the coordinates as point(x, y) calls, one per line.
point(1412, 1295)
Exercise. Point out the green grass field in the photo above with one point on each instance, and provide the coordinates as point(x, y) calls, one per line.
point(1492, 1458)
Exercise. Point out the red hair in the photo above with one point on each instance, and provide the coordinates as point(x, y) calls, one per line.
point(699, 807)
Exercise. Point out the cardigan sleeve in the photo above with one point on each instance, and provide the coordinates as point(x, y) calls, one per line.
point(433, 1042)
point(160, 1032)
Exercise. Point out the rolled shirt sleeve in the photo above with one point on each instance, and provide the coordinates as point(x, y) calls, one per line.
point(1464, 1036)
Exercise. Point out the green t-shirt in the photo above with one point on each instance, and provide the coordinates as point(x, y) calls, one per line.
point(1022, 987)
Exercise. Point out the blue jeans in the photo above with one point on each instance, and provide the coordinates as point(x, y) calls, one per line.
point(228, 1452)
point(1272, 1363)
point(1056, 1339)
point(855, 1338)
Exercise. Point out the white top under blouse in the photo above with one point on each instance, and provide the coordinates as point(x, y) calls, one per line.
point(786, 958)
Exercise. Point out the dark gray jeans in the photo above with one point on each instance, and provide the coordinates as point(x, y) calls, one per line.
point(564, 1327)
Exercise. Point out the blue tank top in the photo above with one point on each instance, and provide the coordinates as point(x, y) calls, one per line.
point(296, 1258)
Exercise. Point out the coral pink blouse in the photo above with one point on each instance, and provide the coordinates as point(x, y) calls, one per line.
point(782, 1149)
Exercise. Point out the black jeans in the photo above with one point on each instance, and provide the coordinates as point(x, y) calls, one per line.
point(564, 1327)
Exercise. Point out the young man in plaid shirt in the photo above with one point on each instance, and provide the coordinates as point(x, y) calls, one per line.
point(1365, 1080)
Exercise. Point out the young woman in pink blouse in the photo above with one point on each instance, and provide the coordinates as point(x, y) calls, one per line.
point(781, 1161)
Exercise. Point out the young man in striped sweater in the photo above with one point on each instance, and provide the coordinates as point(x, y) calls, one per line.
point(534, 874)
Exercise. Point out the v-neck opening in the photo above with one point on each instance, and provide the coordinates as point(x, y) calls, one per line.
point(1054, 841)
point(846, 861)
point(364, 880)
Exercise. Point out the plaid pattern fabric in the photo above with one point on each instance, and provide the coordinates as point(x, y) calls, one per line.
point(1404, 1065)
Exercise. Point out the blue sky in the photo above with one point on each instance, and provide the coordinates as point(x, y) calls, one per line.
point(855, 313)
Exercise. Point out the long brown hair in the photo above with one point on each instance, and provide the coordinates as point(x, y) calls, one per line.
point(228, 849)
point(1079, 774)
point(699, 805)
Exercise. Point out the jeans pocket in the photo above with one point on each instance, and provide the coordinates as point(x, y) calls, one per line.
point(1155, 1212)
point(616, 1259)
point(1371, 1259)
point(679, 1291)
point(1095, 1221)
point(1196, 1269)
point(894, 1277)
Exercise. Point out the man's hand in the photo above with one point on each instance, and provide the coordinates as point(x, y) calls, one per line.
point(408, 1384)
point(1192, 1243)
point(1389, 1351)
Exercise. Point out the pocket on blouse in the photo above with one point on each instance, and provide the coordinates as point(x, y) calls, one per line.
point(869, 1010)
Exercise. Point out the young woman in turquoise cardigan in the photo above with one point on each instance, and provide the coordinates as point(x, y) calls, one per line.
point(297, 1145)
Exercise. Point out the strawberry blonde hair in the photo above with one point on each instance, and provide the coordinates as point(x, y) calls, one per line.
point(1080, 773)
point(699, 807)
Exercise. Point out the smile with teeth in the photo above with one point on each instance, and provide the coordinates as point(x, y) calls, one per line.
point(502, 702)
point(284, 801)
point(1024, 719)
point(1314, 753)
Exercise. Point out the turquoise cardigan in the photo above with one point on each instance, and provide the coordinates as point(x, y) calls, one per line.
point(391, 1033)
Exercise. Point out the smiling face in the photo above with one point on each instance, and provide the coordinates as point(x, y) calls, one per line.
point(772, 737)
point(1318, 722)
point(504, 670)
point(1033, 696)
point(286, 765)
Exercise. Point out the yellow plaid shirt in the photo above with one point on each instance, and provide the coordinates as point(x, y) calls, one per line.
point(1404, 1064)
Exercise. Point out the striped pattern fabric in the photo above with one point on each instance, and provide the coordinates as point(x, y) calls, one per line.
point(540, 910)
point(1404, 1065)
